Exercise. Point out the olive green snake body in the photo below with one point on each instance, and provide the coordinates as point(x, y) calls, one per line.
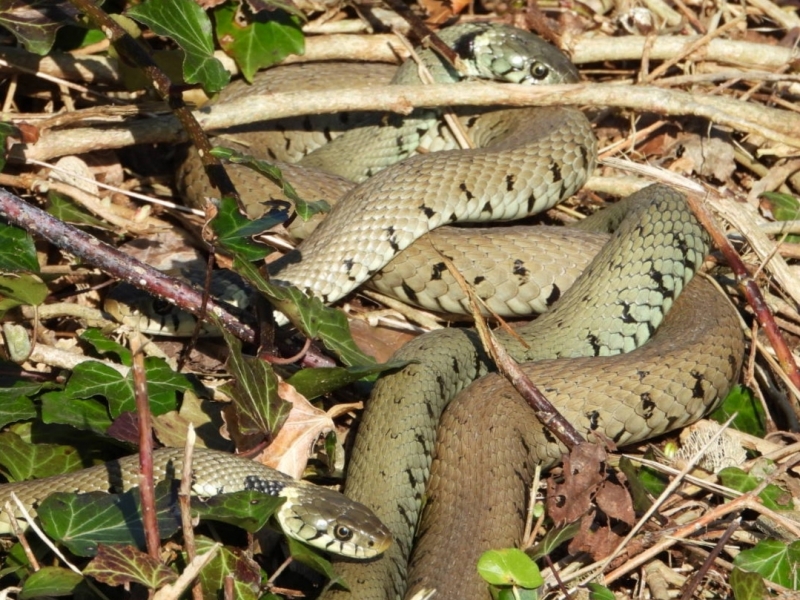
point(603, 355)
point(318, 516)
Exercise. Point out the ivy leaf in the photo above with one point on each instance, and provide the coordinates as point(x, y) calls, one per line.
point(189, 26)
point(123, 565)
point(310, 315)
point(36, 22)
point(17, 252)
point(50, 582)
point(774, 560)
point(256, 41)
point(234, 230)
point(254, 390)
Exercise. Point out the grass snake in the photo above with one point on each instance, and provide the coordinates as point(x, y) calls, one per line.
point(601, 352)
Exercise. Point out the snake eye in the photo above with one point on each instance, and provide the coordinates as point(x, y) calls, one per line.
point(539, 71)
point(342, 533)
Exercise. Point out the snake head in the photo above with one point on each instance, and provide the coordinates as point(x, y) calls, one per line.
point(504, 53)
point(332, 522)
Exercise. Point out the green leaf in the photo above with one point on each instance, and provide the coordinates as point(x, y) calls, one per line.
point(17, 252)
point(310, 315)
point(747, 586)
point(228, 561)
point(599, 592)
point(774, 560)
point(83, 414)
point(772, 496)
point(312, 559)
point(305, 210)
point(82, 521)
point(22, 289)
point(642, 482)
point(186, 23)
point(234, 230)
point(16, 407)
point(553, 539)
point(50, 581)
point(313, 383)
point(35, 22)
point(784, 207)
point(66, 210)
point(123, 565)
point(103, 345)
point(750, 418)
point(256, 41)
point(93, 378)
point(509, 567)
point(6, 130)
point(254, 391)
point(25, 461)
point(248, 510)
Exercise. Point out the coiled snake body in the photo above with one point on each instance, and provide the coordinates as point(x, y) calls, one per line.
point(598, 358)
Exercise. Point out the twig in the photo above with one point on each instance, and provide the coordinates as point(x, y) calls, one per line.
point(775, 124)
point(112, 261)
point(147, 492)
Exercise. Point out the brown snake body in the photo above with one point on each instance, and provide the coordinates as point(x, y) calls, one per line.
point(600, 358)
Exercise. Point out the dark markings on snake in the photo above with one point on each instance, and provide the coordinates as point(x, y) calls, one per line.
point(627, 317)
point(551, 439)
point(463, 187)
point(487, 208)
point(411, 479)
point(658, 279)
point(519, 268)
point(531, 202)
point(697, 390)
point(471, 121)
point(327, 133)
point(618, 436)
point(594, 419)
point(732, 362)
point(410, 293)
point(271, 154)
point(556, 171)
point(400, 141)
point(672, 422)
point(478, 280)
point(265, 486)
point(429, 408)
point(511, 180)
point(642, 374)
point(421, 131)
point(453, 218)
point(525, 445)
point(307, 125)
point(437, 270)
point(427, 211)
point(680, 243)
point(465, 45)
point(442, 384)
point(594, 342)
point(392, 239)
point(349, 263)
point(648, 406)
point(555, 294)
point(584, 154)
point(456, 368)
point(406, 517)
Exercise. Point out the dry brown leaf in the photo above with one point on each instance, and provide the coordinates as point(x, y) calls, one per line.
point(584, 472)
point(290, 449)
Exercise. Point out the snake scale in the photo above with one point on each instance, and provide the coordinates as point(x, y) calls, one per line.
point(315, 515)
point(601, 353)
